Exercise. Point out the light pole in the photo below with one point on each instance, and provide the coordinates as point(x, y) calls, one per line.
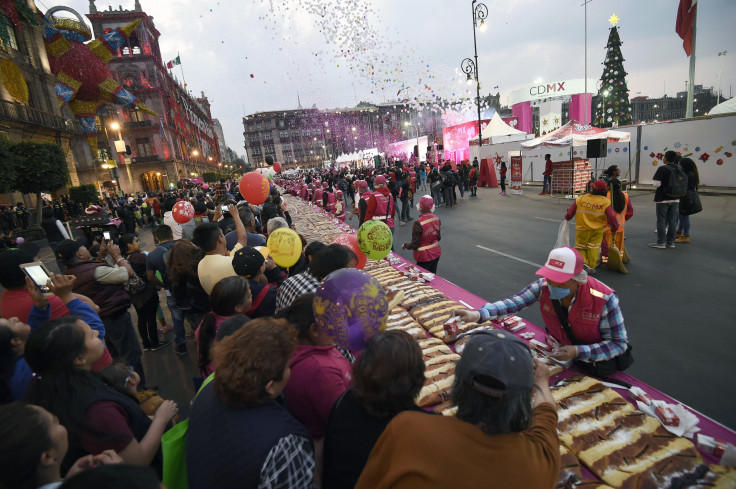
point(720, 72)
point(480, 12)
point(417, 130)
point(471, 70)
point(120, 148)
point(585, 114)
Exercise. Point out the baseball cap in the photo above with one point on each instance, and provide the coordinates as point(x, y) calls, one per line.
point(379, 180)
point(496, 356)
point(562, 264)
point(247, 262)
point(68, 248)
point(362, 184)
point(599, 185)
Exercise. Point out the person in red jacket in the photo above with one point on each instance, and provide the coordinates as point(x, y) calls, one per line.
point(547, 185)
point(425, 236)
point(381, 204)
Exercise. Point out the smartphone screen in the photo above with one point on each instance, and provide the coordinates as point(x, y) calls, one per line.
point(225, 208)
point(38, 274)
point(106, 235)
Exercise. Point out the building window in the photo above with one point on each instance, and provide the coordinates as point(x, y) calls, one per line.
point(143, 147)
point(136, 116)
point(12, 40)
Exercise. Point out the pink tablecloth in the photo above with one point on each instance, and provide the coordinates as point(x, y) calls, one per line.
point(707, 426)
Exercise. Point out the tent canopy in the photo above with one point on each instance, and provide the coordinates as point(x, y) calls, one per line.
point(724, 107)
point(575, 134)
point(497, 131)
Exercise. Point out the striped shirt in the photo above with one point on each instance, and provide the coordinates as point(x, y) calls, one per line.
point(613, 333)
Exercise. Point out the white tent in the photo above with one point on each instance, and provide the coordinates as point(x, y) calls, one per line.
point(497, 131)
point(724, 107)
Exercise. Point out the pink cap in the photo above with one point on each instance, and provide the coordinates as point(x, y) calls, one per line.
point(379, 180)
point(325, 185)
point(362, 184)
point(599, 185)
point(338, 194)
point(562, 265)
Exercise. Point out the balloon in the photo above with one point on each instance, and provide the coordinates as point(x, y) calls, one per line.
point(263, 250)
point(375, 239)
point(351, 307)
point(205, 186)
point(277, 167)
point(144, 205)
point(285, 247)
point(254, 187)
point(267, 172)
point(20, 240)
point(269, 160)
point(350, 241)
point(182, 212)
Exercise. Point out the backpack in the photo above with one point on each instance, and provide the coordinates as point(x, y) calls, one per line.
point(447, 179)
point(677, 185)
point(472, 173)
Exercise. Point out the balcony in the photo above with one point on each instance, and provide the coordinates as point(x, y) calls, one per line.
point(137, 124)
point(145, 159)
point(22, 113)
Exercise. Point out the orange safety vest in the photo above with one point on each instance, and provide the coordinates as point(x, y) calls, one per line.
point(621, 216)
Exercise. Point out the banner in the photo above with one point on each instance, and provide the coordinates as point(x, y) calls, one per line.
point(516, 175)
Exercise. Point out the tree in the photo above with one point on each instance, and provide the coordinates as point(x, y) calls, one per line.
point(8, 168)
point(41, 168)
point(84, 194)
point(613, 96)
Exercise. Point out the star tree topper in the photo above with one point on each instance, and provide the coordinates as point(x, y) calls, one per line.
point(613, 19)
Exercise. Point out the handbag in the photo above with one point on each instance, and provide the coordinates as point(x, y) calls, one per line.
point(173, 447)
point(135, 285)
point(601, 368)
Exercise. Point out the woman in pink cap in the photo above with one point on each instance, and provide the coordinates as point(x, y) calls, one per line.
point(581, 313)
point(425, 236)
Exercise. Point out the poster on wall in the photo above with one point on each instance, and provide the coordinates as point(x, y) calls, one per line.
point(516, 175)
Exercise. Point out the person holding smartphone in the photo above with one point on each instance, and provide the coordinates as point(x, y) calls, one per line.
point(103, 280)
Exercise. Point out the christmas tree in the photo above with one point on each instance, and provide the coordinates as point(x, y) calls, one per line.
point(613, 96)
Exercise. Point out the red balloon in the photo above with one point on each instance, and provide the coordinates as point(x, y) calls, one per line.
point(351, 241)
point(254, 187)
point(182, 212)
point(277, 167)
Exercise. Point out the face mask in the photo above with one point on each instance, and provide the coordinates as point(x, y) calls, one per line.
point(558, 293)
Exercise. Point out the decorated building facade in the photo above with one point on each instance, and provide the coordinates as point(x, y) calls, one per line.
point(309, 137)
point(29, 110)
point(179, 141)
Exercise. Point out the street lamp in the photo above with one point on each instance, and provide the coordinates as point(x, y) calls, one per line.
point(480, 13)
point(121, 149)
point(720, 71)
point(471, 70)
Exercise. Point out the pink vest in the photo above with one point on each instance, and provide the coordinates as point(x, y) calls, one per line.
point(384, 208)
point(330, 201)
point(584, 316)
point(318, 196)
point(429, 247)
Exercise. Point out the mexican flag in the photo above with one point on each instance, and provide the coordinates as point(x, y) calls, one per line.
point(173, 62)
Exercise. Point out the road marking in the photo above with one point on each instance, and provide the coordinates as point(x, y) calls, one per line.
point(547, 219)
point(509, 256)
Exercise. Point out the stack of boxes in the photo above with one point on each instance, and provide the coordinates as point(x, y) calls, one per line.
point(570, 177)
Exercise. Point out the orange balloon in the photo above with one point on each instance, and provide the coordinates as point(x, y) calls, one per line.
point(351, 241)
point(254, 188)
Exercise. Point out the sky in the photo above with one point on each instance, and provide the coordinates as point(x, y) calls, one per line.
point(250, 56)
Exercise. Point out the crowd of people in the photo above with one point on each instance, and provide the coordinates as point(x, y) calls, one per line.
point(279, 403)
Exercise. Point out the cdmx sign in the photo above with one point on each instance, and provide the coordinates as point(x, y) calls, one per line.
point(553, 89)
point(548, 89)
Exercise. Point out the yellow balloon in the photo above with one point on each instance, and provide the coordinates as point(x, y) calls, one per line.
point(285, 247)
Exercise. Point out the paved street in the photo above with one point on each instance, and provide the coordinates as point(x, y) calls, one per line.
point(678, 303)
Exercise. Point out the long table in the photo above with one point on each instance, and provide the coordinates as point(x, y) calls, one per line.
point(454, 292)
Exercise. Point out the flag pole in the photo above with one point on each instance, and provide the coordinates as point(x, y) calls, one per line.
point(691, 85)
point(181, 68)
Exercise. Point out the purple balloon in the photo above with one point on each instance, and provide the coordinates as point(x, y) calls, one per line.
point(351, 307)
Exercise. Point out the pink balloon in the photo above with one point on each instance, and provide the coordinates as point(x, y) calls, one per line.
point(351, 241)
